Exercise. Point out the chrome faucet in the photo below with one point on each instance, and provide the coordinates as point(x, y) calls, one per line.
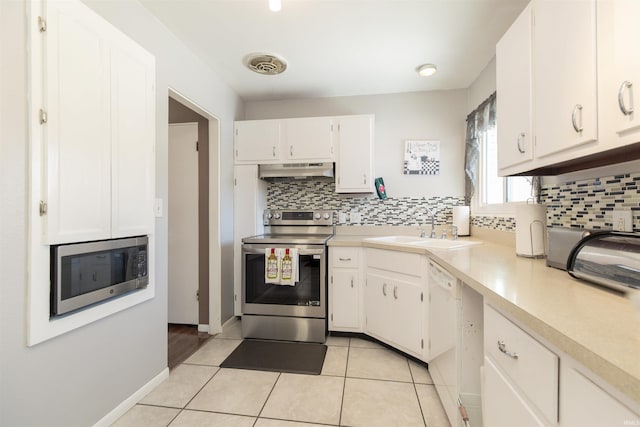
point(432, 234)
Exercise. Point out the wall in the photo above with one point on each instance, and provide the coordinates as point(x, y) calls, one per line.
point(437, 115)
point(77, 378)
point(483, 86)
point(178, 113)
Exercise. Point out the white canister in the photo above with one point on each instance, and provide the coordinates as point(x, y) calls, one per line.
point(531, 226)
point(461, 219)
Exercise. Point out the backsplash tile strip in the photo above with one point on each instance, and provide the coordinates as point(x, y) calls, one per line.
point(579, 204)
point(374, 212)
point(589, 203)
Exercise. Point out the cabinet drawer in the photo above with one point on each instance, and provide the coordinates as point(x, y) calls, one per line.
point(344, 257)
point(400, 262)
point(529, 365)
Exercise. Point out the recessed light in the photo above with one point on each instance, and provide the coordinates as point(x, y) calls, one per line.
point(427, 70)
point(275, 5)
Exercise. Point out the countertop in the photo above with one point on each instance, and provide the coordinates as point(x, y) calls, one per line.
point(598, 328)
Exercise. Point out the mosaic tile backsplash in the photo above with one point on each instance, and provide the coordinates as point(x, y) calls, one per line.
point(590, 203)
point(407, 211)
point(582, 204)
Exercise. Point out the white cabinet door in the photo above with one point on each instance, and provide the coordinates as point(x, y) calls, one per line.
point(77, 134)
point(585, 404)
point(407, 309)
point(307, 139)
point(565, 84)
point(627, 68)
point(257, 141)
point(514, 93)
point(503, 405)
point(249, 201)
point(344, 299)
point(133, 138)
point(354, 159)
point(378, 306)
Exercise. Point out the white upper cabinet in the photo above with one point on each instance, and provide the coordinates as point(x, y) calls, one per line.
point(354, 158)
point(307, 139)
point(514, 93)
point(565, 83)
point(99, 98)
point(619, 71)
point(257, 141)
point(133, 137)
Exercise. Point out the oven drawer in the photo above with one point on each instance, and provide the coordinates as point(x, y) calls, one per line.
point(344, 257)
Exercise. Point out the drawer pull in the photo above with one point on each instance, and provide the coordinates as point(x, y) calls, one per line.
point(395, 292)
point(384, 289)
point(344, 259)
point(627, 111)
point(503, 349)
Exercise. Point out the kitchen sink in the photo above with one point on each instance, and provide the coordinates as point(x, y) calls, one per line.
point(397, 240)
point(442, 244)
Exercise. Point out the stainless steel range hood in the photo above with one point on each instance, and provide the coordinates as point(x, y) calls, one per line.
point(295, 171)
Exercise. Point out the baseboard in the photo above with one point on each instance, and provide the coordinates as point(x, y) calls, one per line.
point(203, 328)
point(131, 401)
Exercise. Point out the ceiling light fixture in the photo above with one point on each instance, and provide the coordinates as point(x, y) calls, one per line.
point(275, 5)
point(427, 70)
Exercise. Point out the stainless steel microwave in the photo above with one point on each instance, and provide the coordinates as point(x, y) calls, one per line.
point(87, 273)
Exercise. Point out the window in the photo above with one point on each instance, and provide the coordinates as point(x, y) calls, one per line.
point(494, 190)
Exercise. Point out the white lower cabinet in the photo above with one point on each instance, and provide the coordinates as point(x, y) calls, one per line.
point(585, 404)
point(503, 405)
point(345, 300)
point(527, 384)
point(395, 299)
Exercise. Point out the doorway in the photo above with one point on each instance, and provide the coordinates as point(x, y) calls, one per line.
point(205, 212)
point(182, 208)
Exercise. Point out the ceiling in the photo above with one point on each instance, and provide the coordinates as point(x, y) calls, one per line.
point(341, 47)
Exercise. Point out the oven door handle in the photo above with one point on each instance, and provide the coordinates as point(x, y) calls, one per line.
point(301, 251)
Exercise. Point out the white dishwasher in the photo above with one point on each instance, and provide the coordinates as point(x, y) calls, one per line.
point(454, 350)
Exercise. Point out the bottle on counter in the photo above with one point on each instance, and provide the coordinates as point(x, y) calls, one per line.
point(272, 265)
point(287, 266)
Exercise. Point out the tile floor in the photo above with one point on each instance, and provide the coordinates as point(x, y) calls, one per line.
point(362, 384)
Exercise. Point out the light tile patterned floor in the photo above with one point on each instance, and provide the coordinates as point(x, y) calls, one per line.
point(362, 384)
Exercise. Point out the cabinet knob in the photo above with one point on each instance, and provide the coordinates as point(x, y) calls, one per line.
point(627, 111)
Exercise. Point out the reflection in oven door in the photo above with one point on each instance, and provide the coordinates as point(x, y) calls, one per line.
point(306, 292)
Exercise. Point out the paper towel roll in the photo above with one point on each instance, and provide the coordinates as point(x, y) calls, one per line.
point(461, 219)
point(531, 227)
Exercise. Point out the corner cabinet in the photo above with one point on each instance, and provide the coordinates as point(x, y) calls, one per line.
point(98, 123)
point(355, 154)
point(345, 298)
point(395, 303)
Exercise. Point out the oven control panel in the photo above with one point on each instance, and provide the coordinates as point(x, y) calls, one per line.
point(301, 217)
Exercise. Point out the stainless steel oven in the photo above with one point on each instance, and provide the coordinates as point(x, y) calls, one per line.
point(283, 312)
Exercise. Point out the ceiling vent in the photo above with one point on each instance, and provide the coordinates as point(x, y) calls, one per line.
point(266, 64)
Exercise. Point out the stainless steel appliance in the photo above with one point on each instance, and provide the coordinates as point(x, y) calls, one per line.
point(86, 273)
point(561, 241)
point(281, 312)
point(608, 258)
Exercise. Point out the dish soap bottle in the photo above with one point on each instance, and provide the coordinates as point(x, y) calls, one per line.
point(287, 266)
point(272, 265)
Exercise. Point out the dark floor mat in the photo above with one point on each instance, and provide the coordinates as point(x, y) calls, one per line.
point(277, 356)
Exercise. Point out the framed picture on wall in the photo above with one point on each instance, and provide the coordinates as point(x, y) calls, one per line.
point(422, 157)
